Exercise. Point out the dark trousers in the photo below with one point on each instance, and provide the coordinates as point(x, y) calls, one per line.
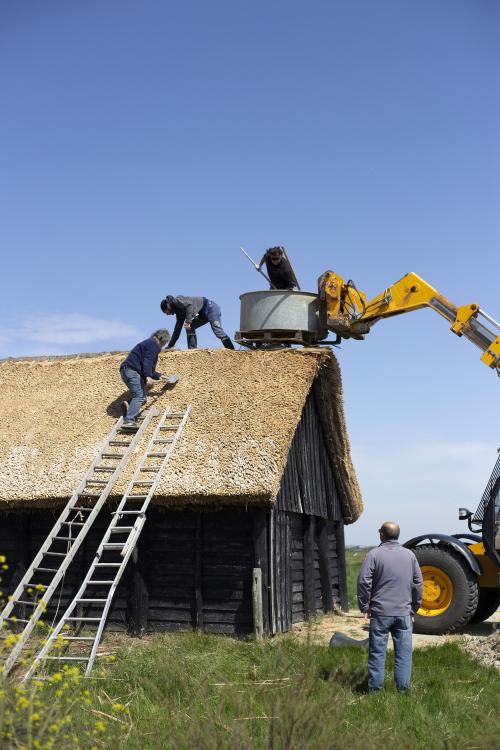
point(211, 313)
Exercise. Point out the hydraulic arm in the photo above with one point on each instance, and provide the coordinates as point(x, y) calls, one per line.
point(345, 310)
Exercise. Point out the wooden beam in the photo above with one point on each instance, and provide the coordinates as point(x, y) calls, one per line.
point(258, 624)
point(261, 559)
point(198, 572)
point(309, 593)
point(324, 568)
point(340, 543)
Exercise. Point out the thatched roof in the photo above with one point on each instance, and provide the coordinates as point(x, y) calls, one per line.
point(56, 412)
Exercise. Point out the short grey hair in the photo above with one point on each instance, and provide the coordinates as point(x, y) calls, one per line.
point(389, 530)
point(162, 335)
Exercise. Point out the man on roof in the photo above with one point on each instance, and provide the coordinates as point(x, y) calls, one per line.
point(279, 268)
point(192, 313)
point(138, 371)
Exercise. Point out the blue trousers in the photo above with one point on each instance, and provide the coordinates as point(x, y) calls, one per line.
point(400, 627)
point(137, 387)
point(210, 314)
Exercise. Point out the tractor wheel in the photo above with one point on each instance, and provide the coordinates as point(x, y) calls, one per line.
point(489, 602)
point(450, 590)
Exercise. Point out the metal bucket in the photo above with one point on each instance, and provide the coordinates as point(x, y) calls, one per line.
point(276, 310)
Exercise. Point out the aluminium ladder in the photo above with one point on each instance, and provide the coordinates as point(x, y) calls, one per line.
point(114, 551)
point(48, 569)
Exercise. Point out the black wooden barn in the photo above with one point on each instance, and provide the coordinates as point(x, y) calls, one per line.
point(259, 489)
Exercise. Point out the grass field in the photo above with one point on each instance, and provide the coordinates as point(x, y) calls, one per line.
point(354, 558)
point(199, 692)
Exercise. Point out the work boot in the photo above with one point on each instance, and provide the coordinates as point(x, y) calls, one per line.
point(130, 425)
point(228, 344)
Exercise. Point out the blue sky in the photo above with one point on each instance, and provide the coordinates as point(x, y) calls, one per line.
point(142, 143)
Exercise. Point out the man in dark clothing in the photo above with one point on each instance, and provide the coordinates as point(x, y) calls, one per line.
point(193, 312)
point(390, 593)
point(279, 270)
point(138, 371)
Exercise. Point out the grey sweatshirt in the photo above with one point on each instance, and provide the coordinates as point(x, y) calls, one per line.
point(185, 309)
point(390, 581)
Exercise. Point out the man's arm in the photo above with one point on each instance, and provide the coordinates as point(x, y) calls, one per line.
point(263, 260)
point(416, 587)
point(149, 363)
point(365, 580)
point(177, 330)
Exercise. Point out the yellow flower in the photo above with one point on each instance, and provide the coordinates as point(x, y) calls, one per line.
point(3, 559)
point(22, 702)
point(56, 677)
point(5, 567)
point(36, 717)
point(100, 726)
point(118, 707)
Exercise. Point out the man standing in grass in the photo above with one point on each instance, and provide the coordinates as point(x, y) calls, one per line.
point(389, 594)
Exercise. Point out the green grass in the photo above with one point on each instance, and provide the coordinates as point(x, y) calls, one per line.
point(354, 558)
point(199, 692)
point(210, 692)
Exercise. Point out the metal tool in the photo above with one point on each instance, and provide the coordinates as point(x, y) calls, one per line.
point(31, 597)
point(114, 551)
point(256, 266)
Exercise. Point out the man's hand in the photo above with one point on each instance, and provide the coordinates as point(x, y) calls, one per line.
point(366, 615)
point(258, 266)
point(187, 326)
point(150, 382)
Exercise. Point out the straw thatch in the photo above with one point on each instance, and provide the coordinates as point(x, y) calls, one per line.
point(245, 409)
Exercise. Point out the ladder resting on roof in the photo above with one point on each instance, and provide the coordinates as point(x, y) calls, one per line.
point(113, 553)
point(31, 596)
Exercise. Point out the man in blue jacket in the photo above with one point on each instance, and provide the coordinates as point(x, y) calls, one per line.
point(389, 594)
point(138, 371)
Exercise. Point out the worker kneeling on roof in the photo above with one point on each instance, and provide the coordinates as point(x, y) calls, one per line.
point(138, 371)
point(279, 268)
point(194, 312)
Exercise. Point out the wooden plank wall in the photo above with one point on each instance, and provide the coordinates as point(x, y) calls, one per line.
point(192, 569)
point(308, 482)
point(306, 577)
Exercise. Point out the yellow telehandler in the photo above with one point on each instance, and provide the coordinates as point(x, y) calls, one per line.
point(461, 572)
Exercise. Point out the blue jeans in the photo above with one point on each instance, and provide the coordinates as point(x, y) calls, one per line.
point(400, 627)
point(210, 313)
point(137, 387)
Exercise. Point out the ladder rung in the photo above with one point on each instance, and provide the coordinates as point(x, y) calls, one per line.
point(83, 619)
point(107, 565)
point(67, 658)
point(22, 601)
point(91, 600)
point(151, 468)
point(135, 497)
point(158, 455)
point(141, 483)
point(99, 583)
point(73, 523)
point(15, 619)
point(47, 570)
point(112, 545)
point(87, 510)
point(137, 512)
point(112, 455)
point(163, 440)
point(64, 538)
point(120, 442)
point(173, 428)
point(56, 554)
point(104, 468)
point(121, 529)
point(79, 638)
point(96, 481)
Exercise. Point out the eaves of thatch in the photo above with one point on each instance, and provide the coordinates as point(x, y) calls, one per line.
point(245, 410)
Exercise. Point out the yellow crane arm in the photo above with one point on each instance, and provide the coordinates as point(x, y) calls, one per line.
point(345, 310)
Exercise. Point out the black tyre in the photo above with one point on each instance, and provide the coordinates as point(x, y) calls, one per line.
point(489, 602)
point(451, 590)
